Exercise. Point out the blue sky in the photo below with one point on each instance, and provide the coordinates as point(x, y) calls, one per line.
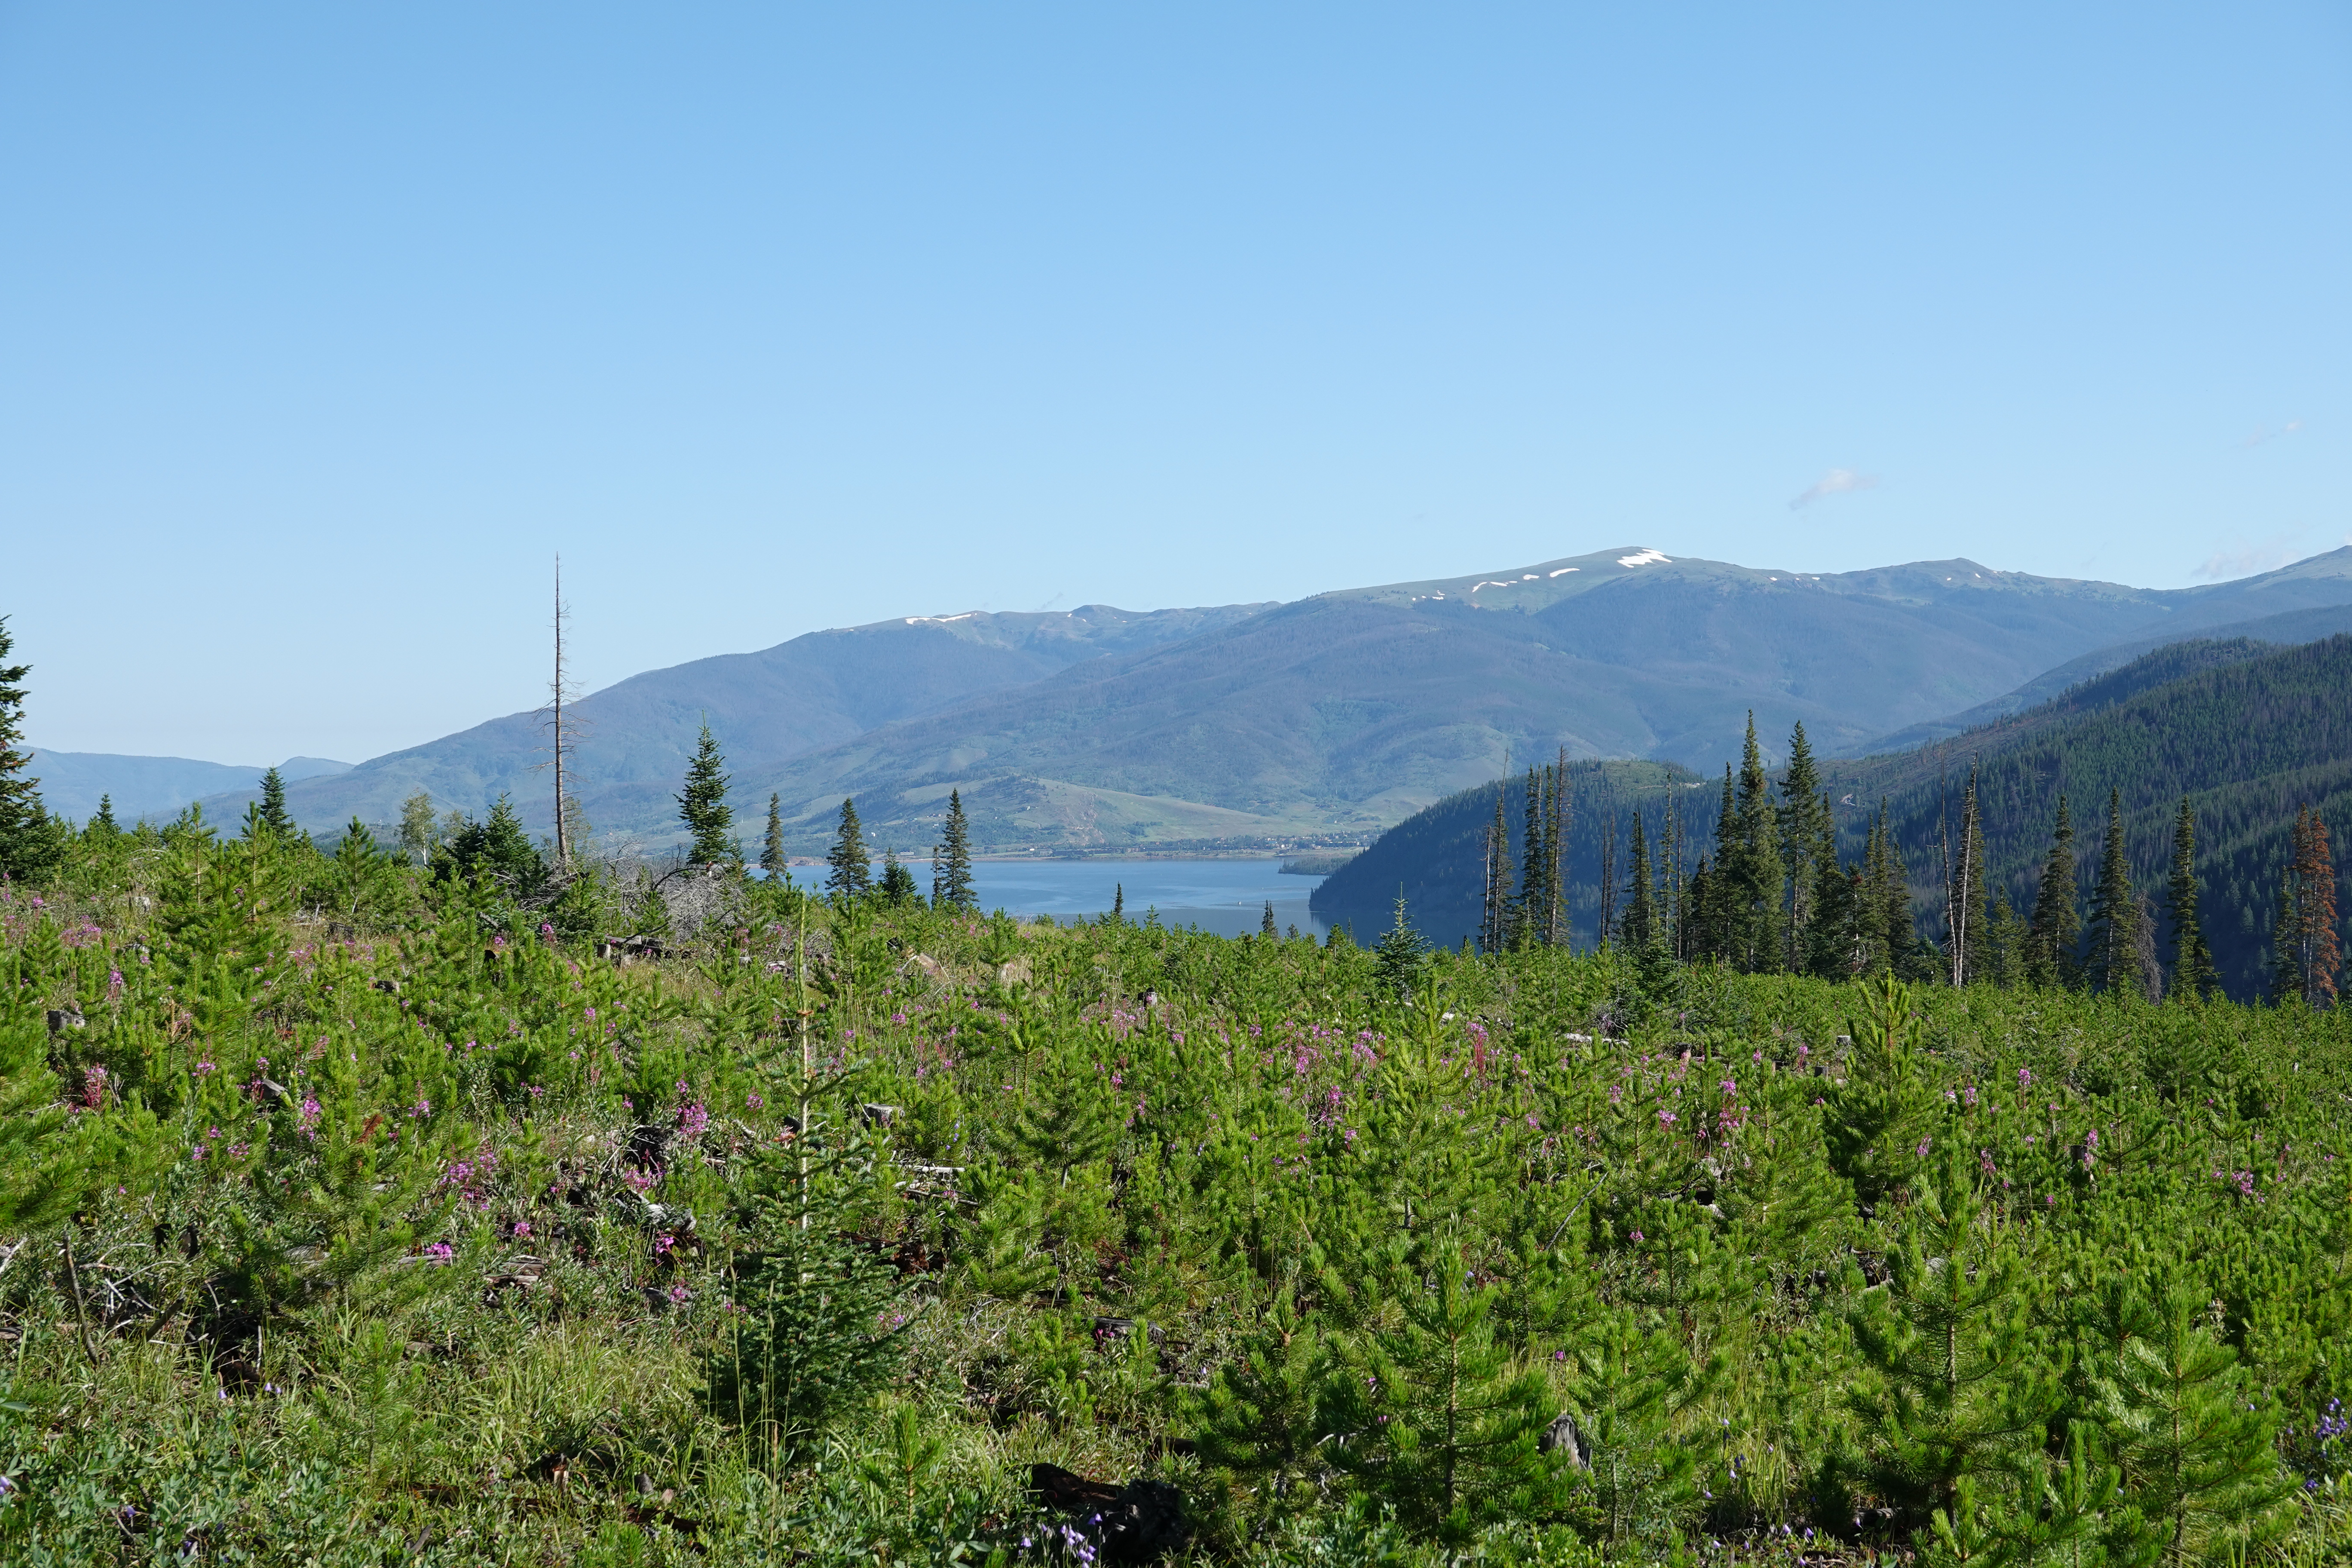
point(325, 326)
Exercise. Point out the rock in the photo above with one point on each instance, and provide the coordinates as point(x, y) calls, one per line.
point(878, 1115)
point(1141, 1521)
point(1106, 1329)
point(64, 1019)
point(1564, 1436)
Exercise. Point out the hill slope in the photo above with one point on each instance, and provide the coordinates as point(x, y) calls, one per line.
point(813, 691)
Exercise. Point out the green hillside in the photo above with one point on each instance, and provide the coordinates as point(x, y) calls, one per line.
point(2246, 733)
point(813, 691)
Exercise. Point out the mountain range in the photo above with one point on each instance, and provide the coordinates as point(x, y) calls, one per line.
point(1336, 715)
point(73, 783)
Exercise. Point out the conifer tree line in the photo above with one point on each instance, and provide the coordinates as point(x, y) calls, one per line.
point(1770, 891)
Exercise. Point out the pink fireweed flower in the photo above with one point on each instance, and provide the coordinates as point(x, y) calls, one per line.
point(439, 1252)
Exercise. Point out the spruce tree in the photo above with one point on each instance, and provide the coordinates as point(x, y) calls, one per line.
point(1964, 890)
point(1763, 879)
point(1497, 916)
point(2193, 974)
point(703, 807)
point(273, 806)
point(851, 876)
point(897, 885)
point(1398, 959)
point(1803, 807)
point(1265, 926)
point(104, 821)
point(2306, 955)
point(28, 842)
point(2056, 926)
point(772, 858)
point(1639, 928)
point(953, 876)
point(1538, 902)
point(2115, 910)
point(2316, 901)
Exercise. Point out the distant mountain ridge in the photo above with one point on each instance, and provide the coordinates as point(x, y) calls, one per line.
point(815, 690)
point(1344, 712)
point(73, 783)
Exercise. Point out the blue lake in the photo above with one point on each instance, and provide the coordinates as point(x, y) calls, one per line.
point(1227, 897)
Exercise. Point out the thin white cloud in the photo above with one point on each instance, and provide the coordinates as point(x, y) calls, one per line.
point(2289, 428)
point(1836, 482)
point(2247, 560)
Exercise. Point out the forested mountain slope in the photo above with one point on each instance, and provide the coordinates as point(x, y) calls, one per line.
point(2280, 630)
point(1435, 858)
point(2246, 732)
point(2246, 735)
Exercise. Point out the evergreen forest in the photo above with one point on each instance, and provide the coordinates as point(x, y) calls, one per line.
point(462, 1198)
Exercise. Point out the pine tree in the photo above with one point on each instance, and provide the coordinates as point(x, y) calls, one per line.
point(104, 821)
point(2115, 910)
point(2193, 974)
point(28, 842)
point(772, 858)
point(703, 807)
point(851, 876)
point(1117, 902)
point(2056, 926)
point(1257, 1424)
point(2197, 1454)
point(1630, 1388)
point(273, 806)
point(1447, 1424)
point(1964, 1389)
point(1265, 926)
point(953, 876)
